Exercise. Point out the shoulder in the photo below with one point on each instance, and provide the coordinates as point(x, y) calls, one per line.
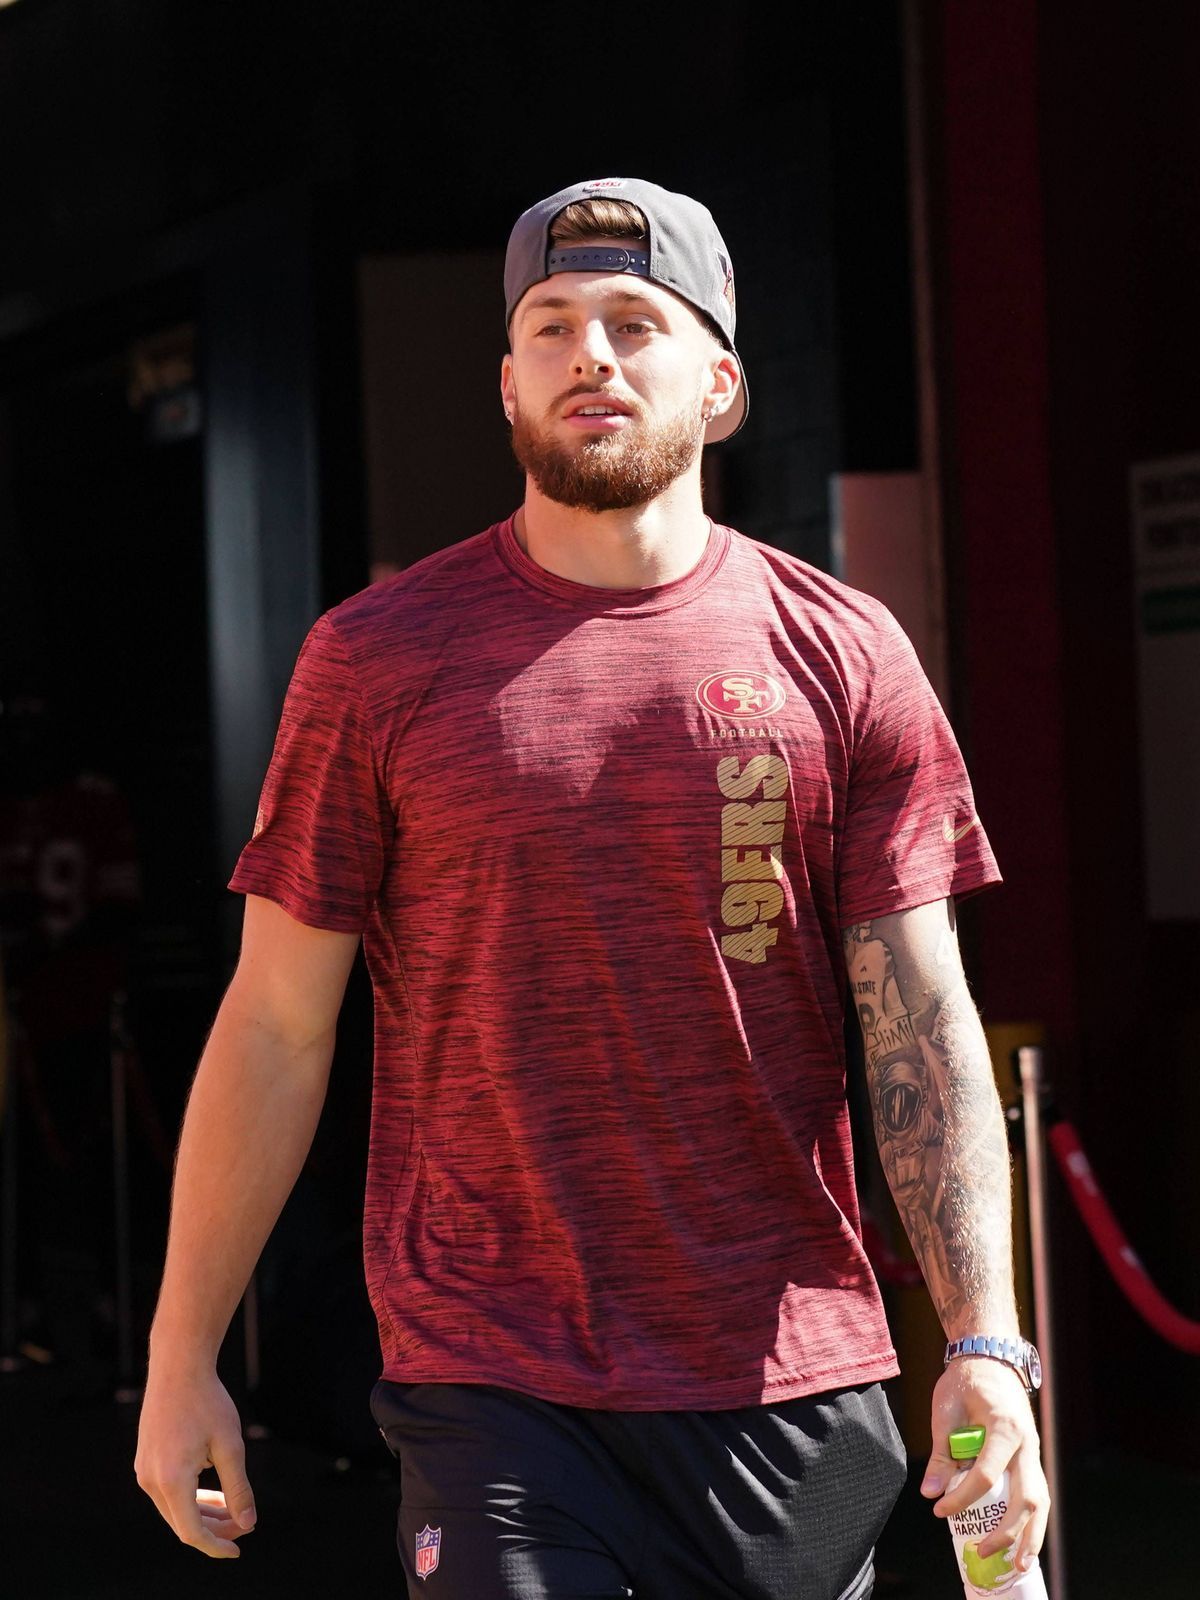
point(381, 641)
point(844, 623)
point(450, 577)
point(390, 628)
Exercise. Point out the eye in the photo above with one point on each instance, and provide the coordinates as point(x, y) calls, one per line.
point(637, 327)
point(550, 327)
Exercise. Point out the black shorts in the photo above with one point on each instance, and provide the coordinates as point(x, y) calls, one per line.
point(504, 1497)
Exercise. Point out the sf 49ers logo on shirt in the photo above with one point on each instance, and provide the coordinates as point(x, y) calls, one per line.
point(734, 693)
point(429, 1550)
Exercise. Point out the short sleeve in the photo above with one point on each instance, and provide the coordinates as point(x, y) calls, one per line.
point(911, 834)
point(324, 825)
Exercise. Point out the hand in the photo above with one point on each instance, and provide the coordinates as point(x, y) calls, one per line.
point(188, 1423)
point(975, 1391)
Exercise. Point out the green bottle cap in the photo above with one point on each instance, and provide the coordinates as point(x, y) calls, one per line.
point(966, 1443)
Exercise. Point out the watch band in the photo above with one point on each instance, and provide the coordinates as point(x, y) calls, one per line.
point(1015, 1352)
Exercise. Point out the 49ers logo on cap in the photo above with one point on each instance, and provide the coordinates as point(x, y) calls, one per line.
point(604, 183)
point(727, 288)
point(734, 693)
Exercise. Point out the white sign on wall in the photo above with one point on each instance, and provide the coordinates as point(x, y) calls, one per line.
point(1165, 499)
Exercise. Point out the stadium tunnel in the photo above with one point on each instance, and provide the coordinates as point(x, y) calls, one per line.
point(965, 257)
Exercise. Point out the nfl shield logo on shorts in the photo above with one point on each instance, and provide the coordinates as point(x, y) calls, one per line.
point(429, 1550)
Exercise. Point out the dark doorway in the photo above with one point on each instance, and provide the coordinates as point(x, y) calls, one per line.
point(106, 837)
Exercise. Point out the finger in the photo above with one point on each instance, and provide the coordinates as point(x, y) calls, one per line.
point(1004, 1535)
point(229, 1458)
point(982, 1477)
point(184, 1516)
point(216, 1515)
point(147, 1482)
point(211, 1514)
point(942, 1465)
point(940, 1468)
point(160, 1505)
point(1034, 1536)
point(1028, 1498)
point(1009, 1534)
point(221, 1527)
point(975, 1485)
point(937, 1475)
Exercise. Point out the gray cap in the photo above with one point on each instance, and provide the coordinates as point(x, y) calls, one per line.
point(685, 254)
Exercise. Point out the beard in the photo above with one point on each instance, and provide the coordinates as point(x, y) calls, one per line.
point(614, 471)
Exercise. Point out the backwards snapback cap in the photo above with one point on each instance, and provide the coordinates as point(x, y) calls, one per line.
point(684, 253)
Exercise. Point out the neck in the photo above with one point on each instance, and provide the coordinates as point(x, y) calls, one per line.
point(639, 548)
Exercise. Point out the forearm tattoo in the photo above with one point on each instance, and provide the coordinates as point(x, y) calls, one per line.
point(937, 1118)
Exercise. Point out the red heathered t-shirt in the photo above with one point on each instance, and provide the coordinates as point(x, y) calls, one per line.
point(601, 845)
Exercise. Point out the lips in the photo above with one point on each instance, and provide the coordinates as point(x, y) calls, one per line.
point(593, 406)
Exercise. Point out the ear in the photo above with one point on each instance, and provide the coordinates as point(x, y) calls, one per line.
point(508, 390)
point(724, 381)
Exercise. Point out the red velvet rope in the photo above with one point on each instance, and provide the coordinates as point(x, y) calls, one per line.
point(1119, 1257)
point(886, 1263)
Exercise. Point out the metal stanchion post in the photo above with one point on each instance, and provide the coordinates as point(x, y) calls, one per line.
point(253, 1354)
point(1029, 1066)
point(250, 1332)
point(10, 1358)
point(120, 1151)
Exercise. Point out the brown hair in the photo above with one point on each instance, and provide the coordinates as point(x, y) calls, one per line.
point(598, 219)
point(612, 219)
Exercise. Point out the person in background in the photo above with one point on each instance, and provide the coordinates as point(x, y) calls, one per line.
point(70, 895)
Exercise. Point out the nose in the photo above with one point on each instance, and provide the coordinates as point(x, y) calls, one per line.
point(594, 354)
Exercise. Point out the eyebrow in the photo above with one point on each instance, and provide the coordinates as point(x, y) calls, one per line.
point(553, 302)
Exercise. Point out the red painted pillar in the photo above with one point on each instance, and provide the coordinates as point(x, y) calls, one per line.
point(990, 309)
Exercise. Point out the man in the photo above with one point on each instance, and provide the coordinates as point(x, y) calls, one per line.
point(603, 788)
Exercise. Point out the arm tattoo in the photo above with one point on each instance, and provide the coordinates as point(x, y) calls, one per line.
point(937, 1118)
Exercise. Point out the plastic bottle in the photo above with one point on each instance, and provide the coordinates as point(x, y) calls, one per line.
point(994, 1574)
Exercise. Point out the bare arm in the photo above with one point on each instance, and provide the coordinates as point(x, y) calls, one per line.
point(250, 1120)
point(942, 1141)
point(938, 1121)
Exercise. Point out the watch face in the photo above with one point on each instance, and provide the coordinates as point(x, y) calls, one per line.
point(1034, 1365)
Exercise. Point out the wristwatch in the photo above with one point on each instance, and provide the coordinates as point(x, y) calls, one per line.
point(1017, 1353)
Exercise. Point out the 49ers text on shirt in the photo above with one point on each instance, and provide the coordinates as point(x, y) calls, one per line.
point(752, 853)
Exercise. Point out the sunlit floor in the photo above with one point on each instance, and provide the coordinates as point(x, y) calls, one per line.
point(76, 1527)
